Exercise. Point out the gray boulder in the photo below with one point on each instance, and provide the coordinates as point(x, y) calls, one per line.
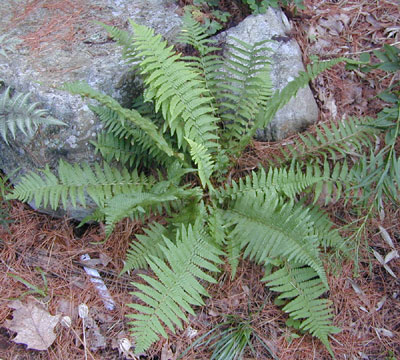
point(79, 51)
point(88, 54)
point(286, 59)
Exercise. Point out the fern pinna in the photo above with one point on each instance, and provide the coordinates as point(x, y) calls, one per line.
point(16, 112)
point(198, 123)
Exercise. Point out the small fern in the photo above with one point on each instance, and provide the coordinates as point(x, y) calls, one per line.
point(16, 112)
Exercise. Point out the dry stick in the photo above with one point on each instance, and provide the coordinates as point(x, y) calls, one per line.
point(83, 312)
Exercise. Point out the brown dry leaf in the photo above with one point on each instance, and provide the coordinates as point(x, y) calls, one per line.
point(375, 23)
point(34, 325)
point(95, 338)
point(167, 354)
point(105, 259)
point(386, 236)
point(333, 24)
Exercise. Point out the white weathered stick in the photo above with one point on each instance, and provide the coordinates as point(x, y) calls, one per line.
point(95, 278)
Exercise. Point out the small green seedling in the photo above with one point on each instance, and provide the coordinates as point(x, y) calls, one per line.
point(33, 288)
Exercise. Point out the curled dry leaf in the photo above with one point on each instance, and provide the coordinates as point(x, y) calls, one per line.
point(383, 261)
point(379, 257)
point(356, 288)
point(389, 270)
point(386, 236)
point(380, 304)
point(392, 255)
point(33, 324)
point(383, 332)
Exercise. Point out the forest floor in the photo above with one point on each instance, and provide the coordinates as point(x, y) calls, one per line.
point(46, 252)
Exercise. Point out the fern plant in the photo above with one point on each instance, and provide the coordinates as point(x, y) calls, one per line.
point(200, 123)
point(16, 112)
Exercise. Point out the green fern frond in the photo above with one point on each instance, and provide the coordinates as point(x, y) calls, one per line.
point(216, 227)
point(375, 175)
point(281, 97)
point(327, 236)
point(144, 246)
point(334, 180)
point(177, 288)
point(332, 140)
point(208, 63)
point(268, 229)
point(277, 181)
point(132, 115)
point(188, 214)
point(16, 112)
point(74, 182)
point(233, 252)
point(303, 287)
point(243, 86)
point(112, 148)
point(143, 149)
point(203, 160)
point(138, 204)
point(175, 89)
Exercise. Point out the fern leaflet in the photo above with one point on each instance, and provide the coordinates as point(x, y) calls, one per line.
point(17, 113)
point(144, 246)
point(137, 204)
point(203, 160)
point(121, 133)
point(112, 148)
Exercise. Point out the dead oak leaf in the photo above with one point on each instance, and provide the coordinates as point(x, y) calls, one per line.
point(34, 325)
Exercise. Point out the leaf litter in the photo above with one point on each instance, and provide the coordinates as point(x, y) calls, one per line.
point(33, 324)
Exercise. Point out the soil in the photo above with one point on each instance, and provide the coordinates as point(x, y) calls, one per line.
point(46, 252)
